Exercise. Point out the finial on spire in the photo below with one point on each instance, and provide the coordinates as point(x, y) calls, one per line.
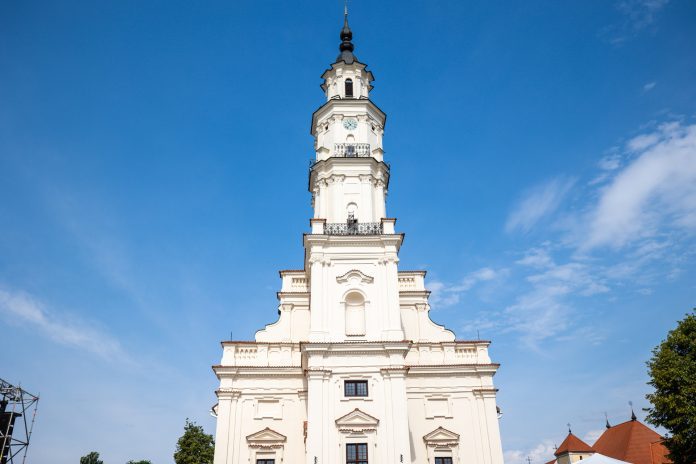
point(346, 46)
point(608, 425)
point(633, 414)
point(569, 431)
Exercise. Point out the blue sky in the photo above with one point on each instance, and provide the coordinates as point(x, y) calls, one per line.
point(153, 163)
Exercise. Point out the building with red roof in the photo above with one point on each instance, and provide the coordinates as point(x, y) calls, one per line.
point(634, 442)
point(631, 441)
point(572, 450)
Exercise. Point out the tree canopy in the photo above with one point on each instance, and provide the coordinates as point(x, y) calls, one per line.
point(91, 458)
point(195, 446)
point(672, 370)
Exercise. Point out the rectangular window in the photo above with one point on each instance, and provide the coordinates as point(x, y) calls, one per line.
point(443, 460)
point(355, 388)
point(356, 453)
point(265, 461)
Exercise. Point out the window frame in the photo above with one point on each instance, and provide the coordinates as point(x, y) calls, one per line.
point(357, 459)
point(349, 84)
point(265, 461)
point(355, 384)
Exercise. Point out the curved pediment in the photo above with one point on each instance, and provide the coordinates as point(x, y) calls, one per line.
point(266, 438)
point(356, 421)
point(441, 437)
point(355, 275)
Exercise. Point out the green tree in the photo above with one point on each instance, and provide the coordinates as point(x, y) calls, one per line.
point(195, 446)
point(91, 458)
point(672, 370)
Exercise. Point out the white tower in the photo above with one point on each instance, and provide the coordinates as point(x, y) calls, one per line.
point(354, 371)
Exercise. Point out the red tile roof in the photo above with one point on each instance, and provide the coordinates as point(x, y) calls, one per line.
point(634, 442)
point(573, 444)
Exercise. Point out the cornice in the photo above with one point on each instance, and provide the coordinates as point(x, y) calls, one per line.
point(354, 347)
point(343, 102)
point(490, 392)
point(451, 369)
point(280, 295)
point(453, 343)
point(357, 240)
point(252, 342)
point(415, 292)
point(420, 272)
point(283, 272)
point(228, 393)
point(447, 366)
point(262, 371)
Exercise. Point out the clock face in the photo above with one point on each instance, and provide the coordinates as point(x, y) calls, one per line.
point(350, 124)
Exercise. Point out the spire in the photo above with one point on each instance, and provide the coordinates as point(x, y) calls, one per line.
point(608, 425)
point(346, 46)
point(633, 414)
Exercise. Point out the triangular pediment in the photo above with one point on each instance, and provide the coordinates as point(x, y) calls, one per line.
point(357, 418)
point(266, 435)
point(356, 276)
point(441, 435)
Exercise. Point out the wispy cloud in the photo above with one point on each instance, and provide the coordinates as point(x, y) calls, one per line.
point(634, 228)
point(444, 294)
point(537, 203)
point(23, 309)
point(537, 454)
point(649, 86)
point(592, 435)
point(544, 310)
point(658, 188)
point(635, 16)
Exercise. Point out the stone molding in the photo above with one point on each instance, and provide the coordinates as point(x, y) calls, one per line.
point(357, 421)
point(354, 273)
point(441, 438)
point(266, 439)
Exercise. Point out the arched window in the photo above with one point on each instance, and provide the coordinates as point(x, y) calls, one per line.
point(349, 88)
point(355, 314)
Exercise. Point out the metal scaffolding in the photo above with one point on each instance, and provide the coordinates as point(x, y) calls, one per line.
point(17, 415)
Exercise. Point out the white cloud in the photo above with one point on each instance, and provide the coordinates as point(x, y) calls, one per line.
point(657, 188)
point(635, 17)
point(593, 435)
point(450, 294)
point(649, 86)
point(536, 257)
point(610, 162)
point(22, 308)
point(543, 452)
point(546, 307)
point(537, 203)
point(642, 207)
point(640, 13)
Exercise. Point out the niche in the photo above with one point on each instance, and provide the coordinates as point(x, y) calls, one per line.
point(355, 314)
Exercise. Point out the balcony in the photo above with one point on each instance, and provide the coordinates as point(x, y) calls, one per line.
point(352, 150)
point(353, 228)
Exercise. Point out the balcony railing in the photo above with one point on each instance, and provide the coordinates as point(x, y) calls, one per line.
point(352, 150)
point(356, 228)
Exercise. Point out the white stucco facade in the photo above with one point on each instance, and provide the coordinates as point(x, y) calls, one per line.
point(351, 321)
